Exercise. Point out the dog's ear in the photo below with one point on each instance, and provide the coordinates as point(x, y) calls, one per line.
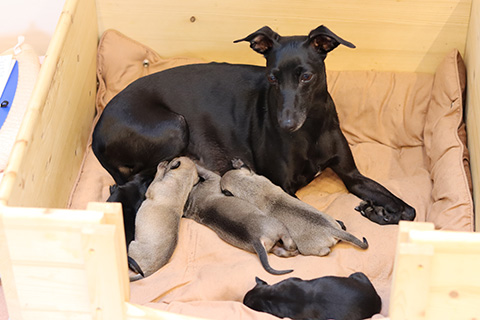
point(262, 40)
point(323, 40)
point(260, 281)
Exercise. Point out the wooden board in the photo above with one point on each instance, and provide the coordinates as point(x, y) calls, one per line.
point(391, 35)
point(472, 61)
point(49, 149)
point(59, 264)
point(435, 274)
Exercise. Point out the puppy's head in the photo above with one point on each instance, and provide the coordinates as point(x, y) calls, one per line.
point(254, 298)
point(243, 183)
point(181, 166)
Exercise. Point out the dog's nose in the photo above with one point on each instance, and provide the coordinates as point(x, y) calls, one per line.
point(288, 125)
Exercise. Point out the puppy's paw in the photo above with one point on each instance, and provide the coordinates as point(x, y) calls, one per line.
point(237, 163)
point(280, 251)
point(133, 265)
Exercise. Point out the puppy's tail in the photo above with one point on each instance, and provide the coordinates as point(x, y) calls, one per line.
point(346, 236)
point(262, 254)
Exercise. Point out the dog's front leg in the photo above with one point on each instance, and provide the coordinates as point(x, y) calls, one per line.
point(379, 205)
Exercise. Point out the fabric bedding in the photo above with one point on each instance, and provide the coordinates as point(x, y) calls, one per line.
point(405, 131)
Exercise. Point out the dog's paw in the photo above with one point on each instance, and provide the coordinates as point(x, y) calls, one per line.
point(386, 214)
point(377, 214)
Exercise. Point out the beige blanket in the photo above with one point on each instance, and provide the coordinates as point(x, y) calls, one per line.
point(405, 131)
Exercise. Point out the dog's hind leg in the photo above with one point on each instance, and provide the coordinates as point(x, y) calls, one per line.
point(125, 148)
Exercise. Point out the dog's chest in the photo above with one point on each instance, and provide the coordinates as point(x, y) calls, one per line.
point(291, 160)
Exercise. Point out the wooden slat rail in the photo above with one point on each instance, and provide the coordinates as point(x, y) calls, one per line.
point(435, 274)
point(68, 264)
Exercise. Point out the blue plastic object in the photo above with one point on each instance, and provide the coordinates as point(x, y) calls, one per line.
point(8, 94)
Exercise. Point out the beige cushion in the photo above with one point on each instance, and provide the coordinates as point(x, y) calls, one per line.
point(446, 148)
point(386, 118)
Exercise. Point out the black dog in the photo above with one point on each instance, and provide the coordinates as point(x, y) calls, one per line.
point(280, 120)
point(339, 298)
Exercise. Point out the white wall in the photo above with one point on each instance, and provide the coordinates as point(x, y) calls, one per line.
point(35, 19)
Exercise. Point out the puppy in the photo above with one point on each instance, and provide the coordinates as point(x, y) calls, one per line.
point(238, 222)
point(130, 195)
point(313, 231)
point(339, 298)
point(158, 218)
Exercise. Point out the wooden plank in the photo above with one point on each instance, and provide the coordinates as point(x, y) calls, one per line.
point(43, 262)
point(49, 148)
point(435, 274)
point(106, 293)
point(472, 61)
point(411, 281)
point(406, 226)
point(57, 315)
point(137, 312)
point(390, 35)
point(51, 288)
point(455, 287)
point(114, 216)
point(6, 270)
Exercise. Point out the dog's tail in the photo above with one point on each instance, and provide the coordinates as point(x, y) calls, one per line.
point(262, 254)
point(346, 236)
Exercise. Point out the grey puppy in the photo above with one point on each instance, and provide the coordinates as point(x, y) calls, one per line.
point(158, 218)
point(238, 222)
point(313, 231)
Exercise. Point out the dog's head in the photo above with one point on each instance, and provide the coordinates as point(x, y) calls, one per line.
point(295, 70)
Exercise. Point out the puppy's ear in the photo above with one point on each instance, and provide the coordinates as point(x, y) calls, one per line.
point(323, 40)
point(262, 40)
point(260, 281)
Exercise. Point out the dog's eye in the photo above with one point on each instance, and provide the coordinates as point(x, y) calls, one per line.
point(306, 77)
point(272, 79)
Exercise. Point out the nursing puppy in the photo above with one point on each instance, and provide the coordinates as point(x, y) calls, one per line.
point(313, 231)
point(158, 218)
point(130, 195)
point(238, 222)
point(338, 298)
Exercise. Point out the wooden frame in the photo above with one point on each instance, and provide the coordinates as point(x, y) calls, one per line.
point(411, 36)
point(435, 274)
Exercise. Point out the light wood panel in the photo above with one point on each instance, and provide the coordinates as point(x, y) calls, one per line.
point(51, 142)
point(472, 61)
point(391, 35)
point(435, 274)
point(64, 264)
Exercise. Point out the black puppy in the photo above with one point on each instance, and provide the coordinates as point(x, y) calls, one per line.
point(280, 120)
point(131, 196)
point(339, 298)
